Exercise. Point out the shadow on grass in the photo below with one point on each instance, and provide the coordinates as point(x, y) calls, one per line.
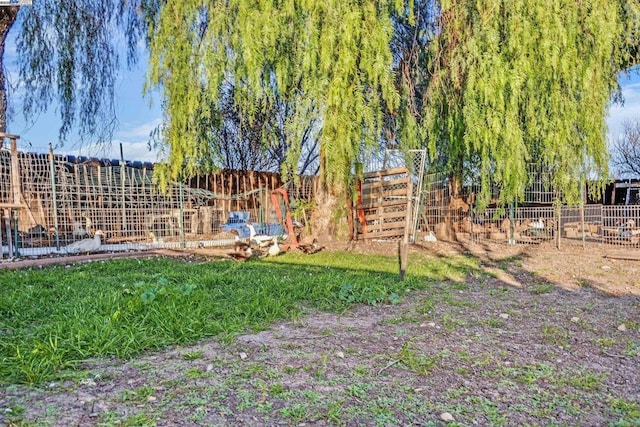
point(51, 319)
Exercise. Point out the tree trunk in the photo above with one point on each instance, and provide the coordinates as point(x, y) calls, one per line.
point(328, 219)
point(8, 16)
point(323, 216)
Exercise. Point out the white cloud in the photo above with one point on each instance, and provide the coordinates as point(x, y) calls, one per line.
point(629, 111)
point(140, 131)
point(134, 139)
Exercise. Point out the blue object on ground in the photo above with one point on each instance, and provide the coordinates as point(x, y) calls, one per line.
point(270, 228)
point(237, 222)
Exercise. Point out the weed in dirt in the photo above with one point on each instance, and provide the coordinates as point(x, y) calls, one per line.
point(632, 324)
point(297, 412)
point(427, 306)
point(361, 370)
point(197, 374)
point(632, 349)
point(498, 292)
point(413, 359)
point(138, 396)
point(198, 415)
point(450, 323)
point(453, 302)
point(554, 335)
point(604, 342)
point(462, 370)
point(193, 355)
point(530, 374)
point(246, 399)
point(290, 370)
point(627, 412)
point(14, 414)
point(404, 318)
point(494, 322)
point(359, 390)
point(456, 393)
point(109, 418)
point(139, 420)
point(277, 389)
point(586, 381)
point(333, 412)
point(489, 409)
point(219, 407)
point(540, 289)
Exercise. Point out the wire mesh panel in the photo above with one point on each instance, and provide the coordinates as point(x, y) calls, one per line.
point(539, 190)
point(522, 225)
point(621, 225)
point(6, 196)
point(434, 207)
point(581, 224)
point(67, 201)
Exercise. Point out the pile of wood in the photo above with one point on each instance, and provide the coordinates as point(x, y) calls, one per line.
point(573, 230)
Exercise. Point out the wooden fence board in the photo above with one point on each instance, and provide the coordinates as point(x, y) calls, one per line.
point(389, 215)
point(383, 234)
point(385, 203)
point(384, 172)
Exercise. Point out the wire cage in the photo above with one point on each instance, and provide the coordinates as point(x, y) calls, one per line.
point(62, 201)
point(540, 217)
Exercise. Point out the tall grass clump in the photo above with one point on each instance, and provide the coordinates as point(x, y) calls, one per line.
point(54, 318)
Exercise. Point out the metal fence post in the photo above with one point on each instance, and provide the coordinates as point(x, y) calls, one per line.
point(512, 240)
point(7, 225)
point(558, 214)
point(54, 202)
point(584, 245)
point(123, 176)
point(183, 243)
point(15, 233)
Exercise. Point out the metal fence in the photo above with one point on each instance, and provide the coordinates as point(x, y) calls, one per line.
point(448, 213)
point(572, 225)
point(51, 201)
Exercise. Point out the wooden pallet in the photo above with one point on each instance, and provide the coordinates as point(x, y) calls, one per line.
point(385, 202)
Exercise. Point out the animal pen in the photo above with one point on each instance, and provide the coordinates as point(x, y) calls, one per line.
point(539, 218)
point(49, 201)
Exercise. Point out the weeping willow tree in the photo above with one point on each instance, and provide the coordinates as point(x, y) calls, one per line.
point(69, 53)
point(515, 82)
point(329, 61)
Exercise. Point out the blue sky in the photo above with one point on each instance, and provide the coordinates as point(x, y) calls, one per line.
point(137, 116)
point(630, 83)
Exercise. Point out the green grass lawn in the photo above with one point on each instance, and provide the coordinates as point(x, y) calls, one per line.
point(52, 319)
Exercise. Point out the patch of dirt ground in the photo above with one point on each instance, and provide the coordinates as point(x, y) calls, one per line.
point(540, 336)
